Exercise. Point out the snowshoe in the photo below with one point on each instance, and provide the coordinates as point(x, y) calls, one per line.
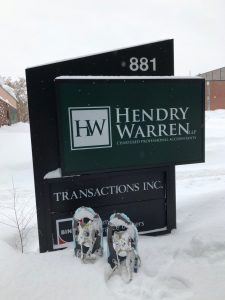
point(87, 234)
point(122, 238)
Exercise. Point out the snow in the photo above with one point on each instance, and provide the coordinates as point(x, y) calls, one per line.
point(188, 264)
point(4, 100)
point(9, 90)
point(54, 174)
point(83, 212)
point(126, 77)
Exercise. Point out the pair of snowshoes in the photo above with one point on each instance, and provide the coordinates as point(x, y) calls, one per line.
point(122, 238)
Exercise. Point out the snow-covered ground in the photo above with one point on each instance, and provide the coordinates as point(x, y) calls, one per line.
point(187, 264)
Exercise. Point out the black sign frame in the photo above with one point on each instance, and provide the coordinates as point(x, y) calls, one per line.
point(43, 115)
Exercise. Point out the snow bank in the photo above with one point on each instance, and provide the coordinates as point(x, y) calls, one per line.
point(15, 156)
point(187, 264)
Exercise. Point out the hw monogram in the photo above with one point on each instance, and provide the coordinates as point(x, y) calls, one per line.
point(90, 127)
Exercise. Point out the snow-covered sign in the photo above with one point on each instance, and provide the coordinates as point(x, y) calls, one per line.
point(153, 59)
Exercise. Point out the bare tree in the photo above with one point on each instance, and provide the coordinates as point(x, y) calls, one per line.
point(18, 217)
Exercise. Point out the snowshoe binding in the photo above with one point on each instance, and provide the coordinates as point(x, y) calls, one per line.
point(87, 234)
point(122, 238)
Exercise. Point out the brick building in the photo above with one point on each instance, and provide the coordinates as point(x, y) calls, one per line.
point(8, 106)
point(214, 89)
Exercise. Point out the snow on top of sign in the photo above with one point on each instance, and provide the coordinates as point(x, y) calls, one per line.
point(54, 174)
point(127, 77)
point(99, 53)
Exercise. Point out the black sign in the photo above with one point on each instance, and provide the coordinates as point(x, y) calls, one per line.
point(146, 196)
point(106, 189)
point(154, 59)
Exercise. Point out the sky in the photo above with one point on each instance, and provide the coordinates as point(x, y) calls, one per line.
point(39, 32)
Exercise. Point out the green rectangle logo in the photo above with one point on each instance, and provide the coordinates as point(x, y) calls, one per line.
point(120, 123)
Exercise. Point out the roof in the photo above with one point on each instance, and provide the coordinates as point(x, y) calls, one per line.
point(7, 97)
point(8, 90)
point(217, 74)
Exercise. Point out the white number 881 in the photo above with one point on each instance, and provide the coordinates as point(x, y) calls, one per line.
point(141, 64)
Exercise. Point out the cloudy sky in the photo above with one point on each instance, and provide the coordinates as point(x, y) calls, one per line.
point(38, 32)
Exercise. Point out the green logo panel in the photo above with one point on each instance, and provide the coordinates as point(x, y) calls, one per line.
point(123, 122)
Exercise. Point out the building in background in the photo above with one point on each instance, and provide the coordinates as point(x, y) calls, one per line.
point(214, 89)
point(8, 106)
